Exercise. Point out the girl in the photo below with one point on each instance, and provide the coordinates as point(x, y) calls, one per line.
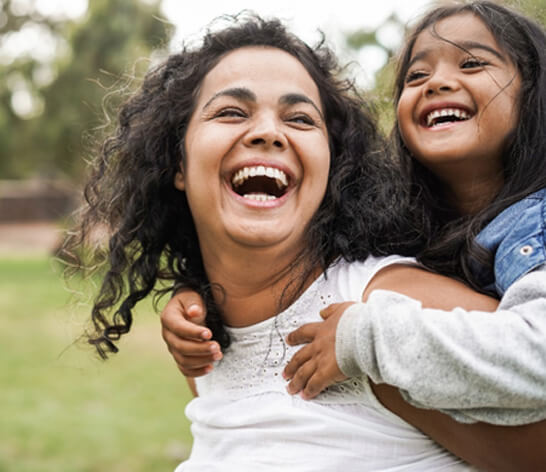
point(471, 103)
point(238, 168)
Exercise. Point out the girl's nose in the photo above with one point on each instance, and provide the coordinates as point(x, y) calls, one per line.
point(442, 80)
point(432, 90)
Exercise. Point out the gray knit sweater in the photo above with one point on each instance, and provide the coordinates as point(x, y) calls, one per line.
point(472, 365)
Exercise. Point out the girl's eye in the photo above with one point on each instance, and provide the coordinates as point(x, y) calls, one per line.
point(415, 75)
point(473, 63)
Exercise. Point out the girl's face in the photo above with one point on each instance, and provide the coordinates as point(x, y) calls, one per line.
point(459, 103)
point(257, 155)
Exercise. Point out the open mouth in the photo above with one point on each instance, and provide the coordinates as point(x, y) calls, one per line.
point(445, 115)
point(260, 183)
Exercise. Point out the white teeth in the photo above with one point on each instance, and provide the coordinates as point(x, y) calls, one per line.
point(456, 112)
point(272, 172)
point(259, 197)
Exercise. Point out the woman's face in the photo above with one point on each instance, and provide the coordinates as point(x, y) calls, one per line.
point(257, 155)
point(460, 100)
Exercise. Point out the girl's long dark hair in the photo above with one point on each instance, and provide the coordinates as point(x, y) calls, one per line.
point(131, 193)
point(451, 246)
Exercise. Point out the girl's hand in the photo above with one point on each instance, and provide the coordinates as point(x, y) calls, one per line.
point(188, 340)
point(314, 367)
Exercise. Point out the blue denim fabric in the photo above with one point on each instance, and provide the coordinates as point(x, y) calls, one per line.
point(517, 239)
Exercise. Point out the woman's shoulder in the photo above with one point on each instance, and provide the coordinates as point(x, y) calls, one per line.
point(351, 278)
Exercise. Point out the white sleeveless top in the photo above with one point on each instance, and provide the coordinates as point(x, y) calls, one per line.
point(243, 419)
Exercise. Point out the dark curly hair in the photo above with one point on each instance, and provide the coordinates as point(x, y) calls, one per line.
point(152, 236)
point(451, 247)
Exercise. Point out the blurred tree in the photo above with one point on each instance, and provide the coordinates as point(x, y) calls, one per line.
point(16, 73)
point(49, 108)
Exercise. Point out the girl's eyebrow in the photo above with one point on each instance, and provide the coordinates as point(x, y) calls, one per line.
point(468, 45)
point(245, 94)
point(464, 46)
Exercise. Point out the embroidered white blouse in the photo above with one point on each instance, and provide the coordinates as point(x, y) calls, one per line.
point(244, 420)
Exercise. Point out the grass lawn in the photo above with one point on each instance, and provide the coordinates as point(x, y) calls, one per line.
point(62, 409)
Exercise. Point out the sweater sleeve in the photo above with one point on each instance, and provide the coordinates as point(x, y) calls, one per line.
point(471, 365)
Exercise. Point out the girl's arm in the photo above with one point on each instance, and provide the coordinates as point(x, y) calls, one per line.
point(473, 365)
point(186, 336)
point(191, 385)
point(514, 360)
point(486, 446)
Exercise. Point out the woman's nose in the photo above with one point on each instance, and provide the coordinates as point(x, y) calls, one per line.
point(266, 131)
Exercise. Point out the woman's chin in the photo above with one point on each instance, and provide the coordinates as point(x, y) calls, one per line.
point(263, 234)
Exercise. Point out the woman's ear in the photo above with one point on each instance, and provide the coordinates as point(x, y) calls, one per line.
point(179, 181)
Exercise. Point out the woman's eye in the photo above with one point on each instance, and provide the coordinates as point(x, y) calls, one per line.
point(230, 112)
point(301, 119)
point(415, 75)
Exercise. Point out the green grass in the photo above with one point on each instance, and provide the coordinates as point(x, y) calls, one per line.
point(62, 409)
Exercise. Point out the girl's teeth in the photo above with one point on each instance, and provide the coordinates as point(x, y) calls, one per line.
point(456, 112)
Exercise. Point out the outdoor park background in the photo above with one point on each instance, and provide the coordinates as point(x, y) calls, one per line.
point(61, 409)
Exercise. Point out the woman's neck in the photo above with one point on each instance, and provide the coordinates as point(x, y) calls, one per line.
point(251, 286)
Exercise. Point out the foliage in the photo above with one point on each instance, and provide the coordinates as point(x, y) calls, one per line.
point(63, 410)
point(101, 52)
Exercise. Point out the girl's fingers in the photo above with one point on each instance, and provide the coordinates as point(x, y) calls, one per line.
point(304, 334)
point(325, 313)
point(314, 385)
point(300, 358)
point(191, 304)
point(334, 308)
point(198, 372)
point(173, 320)
point(300, 378)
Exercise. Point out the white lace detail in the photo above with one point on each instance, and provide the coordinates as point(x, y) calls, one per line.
point(244, 420)
point(254, 362)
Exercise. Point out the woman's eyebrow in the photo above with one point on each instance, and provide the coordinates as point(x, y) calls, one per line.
point(245, 94)
point(241, 93)
point(295, 98)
